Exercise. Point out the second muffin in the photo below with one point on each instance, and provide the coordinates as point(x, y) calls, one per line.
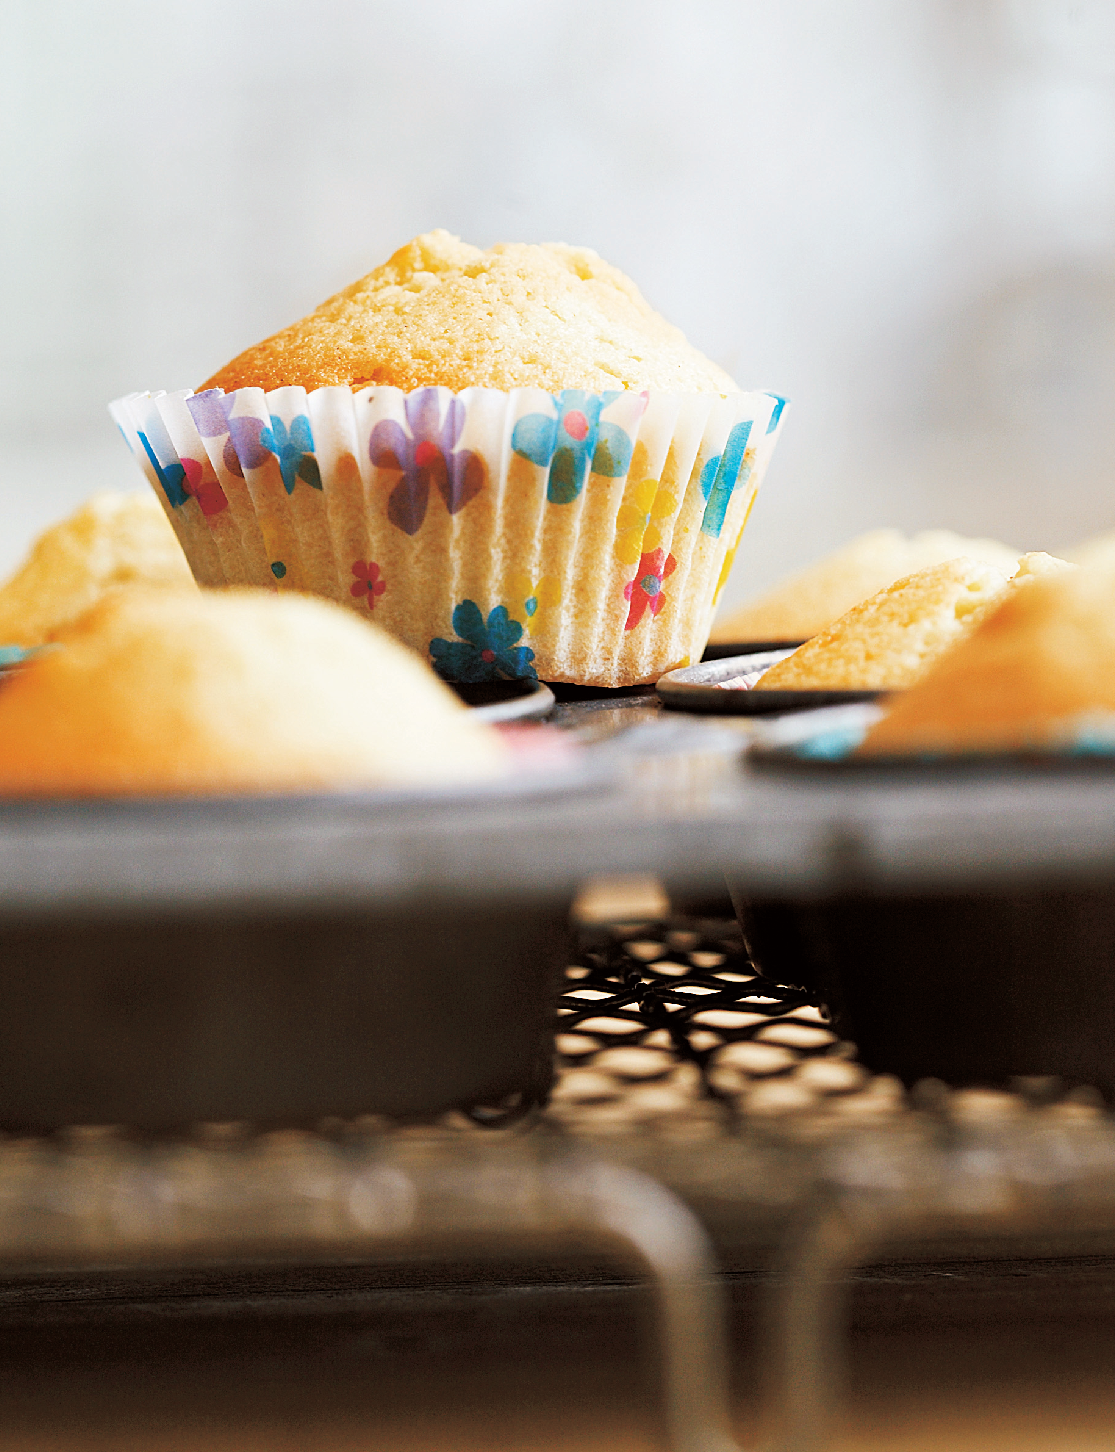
point(156, 692)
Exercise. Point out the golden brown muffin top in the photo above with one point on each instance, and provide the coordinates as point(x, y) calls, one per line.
point(1034, 668)
point(886, 641)
point(158, 691)
point(441, 312)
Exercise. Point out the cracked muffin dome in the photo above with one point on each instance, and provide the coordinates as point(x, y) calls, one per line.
point(441, 312)
point(1038, 673)
point(157, 692)
point(889, 640)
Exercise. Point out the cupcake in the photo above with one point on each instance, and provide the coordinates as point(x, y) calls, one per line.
point(814, 598)
point(112, 540)
point(157, 692)
point(507, 457)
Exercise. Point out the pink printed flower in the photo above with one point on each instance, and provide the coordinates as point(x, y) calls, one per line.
point(367, 584)
point(645, 590)
point(202, 483)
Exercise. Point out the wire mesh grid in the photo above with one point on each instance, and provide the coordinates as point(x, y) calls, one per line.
point(666, 1026)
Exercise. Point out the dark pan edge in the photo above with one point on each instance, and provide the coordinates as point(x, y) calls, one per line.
point(781, 758)
point(718, 702)
point(724, 650)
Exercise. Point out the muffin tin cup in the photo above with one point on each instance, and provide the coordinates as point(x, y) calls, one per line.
point(726, 686)
point(158, 1022)
point(579, 537)
point(969, 988)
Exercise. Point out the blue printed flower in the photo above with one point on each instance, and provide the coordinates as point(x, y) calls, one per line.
point(426, 457)
point(721, 476)
point(171, 476)
point(486, 651)
point(294, 449)
point(572, 440)
point(776, 413)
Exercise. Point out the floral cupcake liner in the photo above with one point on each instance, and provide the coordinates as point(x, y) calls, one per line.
point(578, 536)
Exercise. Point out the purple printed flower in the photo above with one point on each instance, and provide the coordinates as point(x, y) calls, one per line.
point(212, 412)
point(243, 449)
point(425, 456)
point(209, 413)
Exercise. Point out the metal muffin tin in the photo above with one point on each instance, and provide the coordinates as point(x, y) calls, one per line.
point(972, 988)
point(245, 932)
point(498, 701)
point(721, 649)
point(725, 686)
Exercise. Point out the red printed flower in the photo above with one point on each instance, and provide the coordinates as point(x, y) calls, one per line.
point(202, 483)
point(367, 584)
point(645, 590)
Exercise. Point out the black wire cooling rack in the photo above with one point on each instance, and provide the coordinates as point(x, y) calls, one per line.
point(664, 1024)
point(692, 981)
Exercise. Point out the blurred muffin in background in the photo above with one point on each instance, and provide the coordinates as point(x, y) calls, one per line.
point(1099, 550)
point(813, 598)
point(1036, 674)
point(157, 692)
point(888, 641)
point(112, 540)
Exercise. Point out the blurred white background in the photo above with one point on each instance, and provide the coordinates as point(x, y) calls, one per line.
point(900, 215)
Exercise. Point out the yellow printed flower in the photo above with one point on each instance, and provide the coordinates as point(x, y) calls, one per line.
point(730, 557)
point(534, 596)
point(637, 523)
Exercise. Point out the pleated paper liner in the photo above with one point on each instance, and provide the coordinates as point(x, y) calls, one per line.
point(578, 537)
